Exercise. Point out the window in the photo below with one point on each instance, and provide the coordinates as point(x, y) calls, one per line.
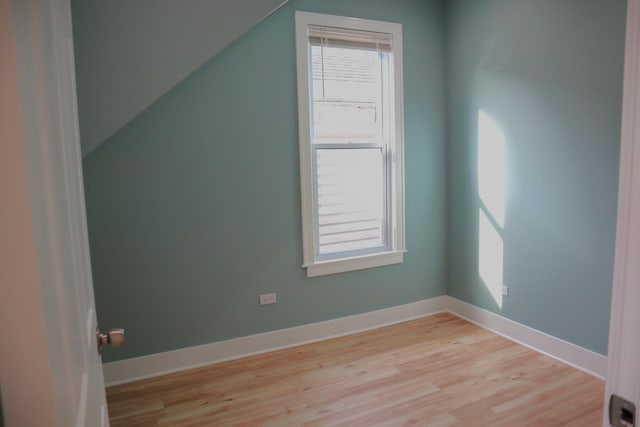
point(351, 158)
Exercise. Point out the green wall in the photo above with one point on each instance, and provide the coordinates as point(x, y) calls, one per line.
point(194, 206)
point(128, 53)
point(549, 74)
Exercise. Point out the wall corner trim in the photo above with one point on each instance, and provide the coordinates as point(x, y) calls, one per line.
point(588, 361)
point(138, 368)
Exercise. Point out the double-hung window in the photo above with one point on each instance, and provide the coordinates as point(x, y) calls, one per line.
point(351, 156)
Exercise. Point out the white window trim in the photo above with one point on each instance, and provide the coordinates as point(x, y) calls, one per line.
point(396, 254)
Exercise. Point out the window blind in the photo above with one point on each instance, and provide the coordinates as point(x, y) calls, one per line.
point(336, 37)
point(347, 138)
point(350, 199)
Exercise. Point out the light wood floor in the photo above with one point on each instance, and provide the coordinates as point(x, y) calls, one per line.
point(436, 371)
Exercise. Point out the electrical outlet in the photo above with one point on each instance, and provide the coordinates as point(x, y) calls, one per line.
point(505, 291)
point(268, 299)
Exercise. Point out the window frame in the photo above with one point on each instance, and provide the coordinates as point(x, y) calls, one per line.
point(394, 154)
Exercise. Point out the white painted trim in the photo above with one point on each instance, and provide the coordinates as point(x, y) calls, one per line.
point(304, 135)
point(59, 368)
point(623, 374)
point(580, 358)
point(138, 368)
point(303, 20)
point(354, 263)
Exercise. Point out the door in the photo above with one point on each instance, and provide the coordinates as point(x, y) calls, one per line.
point(51, 371)
point(623, 372)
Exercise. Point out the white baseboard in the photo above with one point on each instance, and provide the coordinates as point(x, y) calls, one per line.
point(137, 368)
point(128, 370)
point(579, 357)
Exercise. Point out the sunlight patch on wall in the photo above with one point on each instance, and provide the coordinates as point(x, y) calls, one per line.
point(490, 258)
point(491, 167)
point(491, 214)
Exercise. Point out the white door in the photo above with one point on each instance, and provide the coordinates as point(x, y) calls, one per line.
point(51, 372)
point(623, 373)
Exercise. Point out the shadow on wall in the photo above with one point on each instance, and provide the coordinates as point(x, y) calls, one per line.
point(534, 99)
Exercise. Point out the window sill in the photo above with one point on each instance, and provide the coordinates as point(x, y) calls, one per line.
point(323, 268)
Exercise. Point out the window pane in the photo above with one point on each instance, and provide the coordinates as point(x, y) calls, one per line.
point(350, 192)
point(347, 94)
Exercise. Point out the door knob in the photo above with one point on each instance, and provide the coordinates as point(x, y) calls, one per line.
point(114, 338)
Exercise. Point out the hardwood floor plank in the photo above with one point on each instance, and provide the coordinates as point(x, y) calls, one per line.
point(435, 371)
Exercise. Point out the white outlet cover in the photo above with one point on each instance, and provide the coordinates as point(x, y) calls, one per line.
point(268, 299)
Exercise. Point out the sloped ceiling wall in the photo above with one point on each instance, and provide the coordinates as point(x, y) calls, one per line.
point(129, 53)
